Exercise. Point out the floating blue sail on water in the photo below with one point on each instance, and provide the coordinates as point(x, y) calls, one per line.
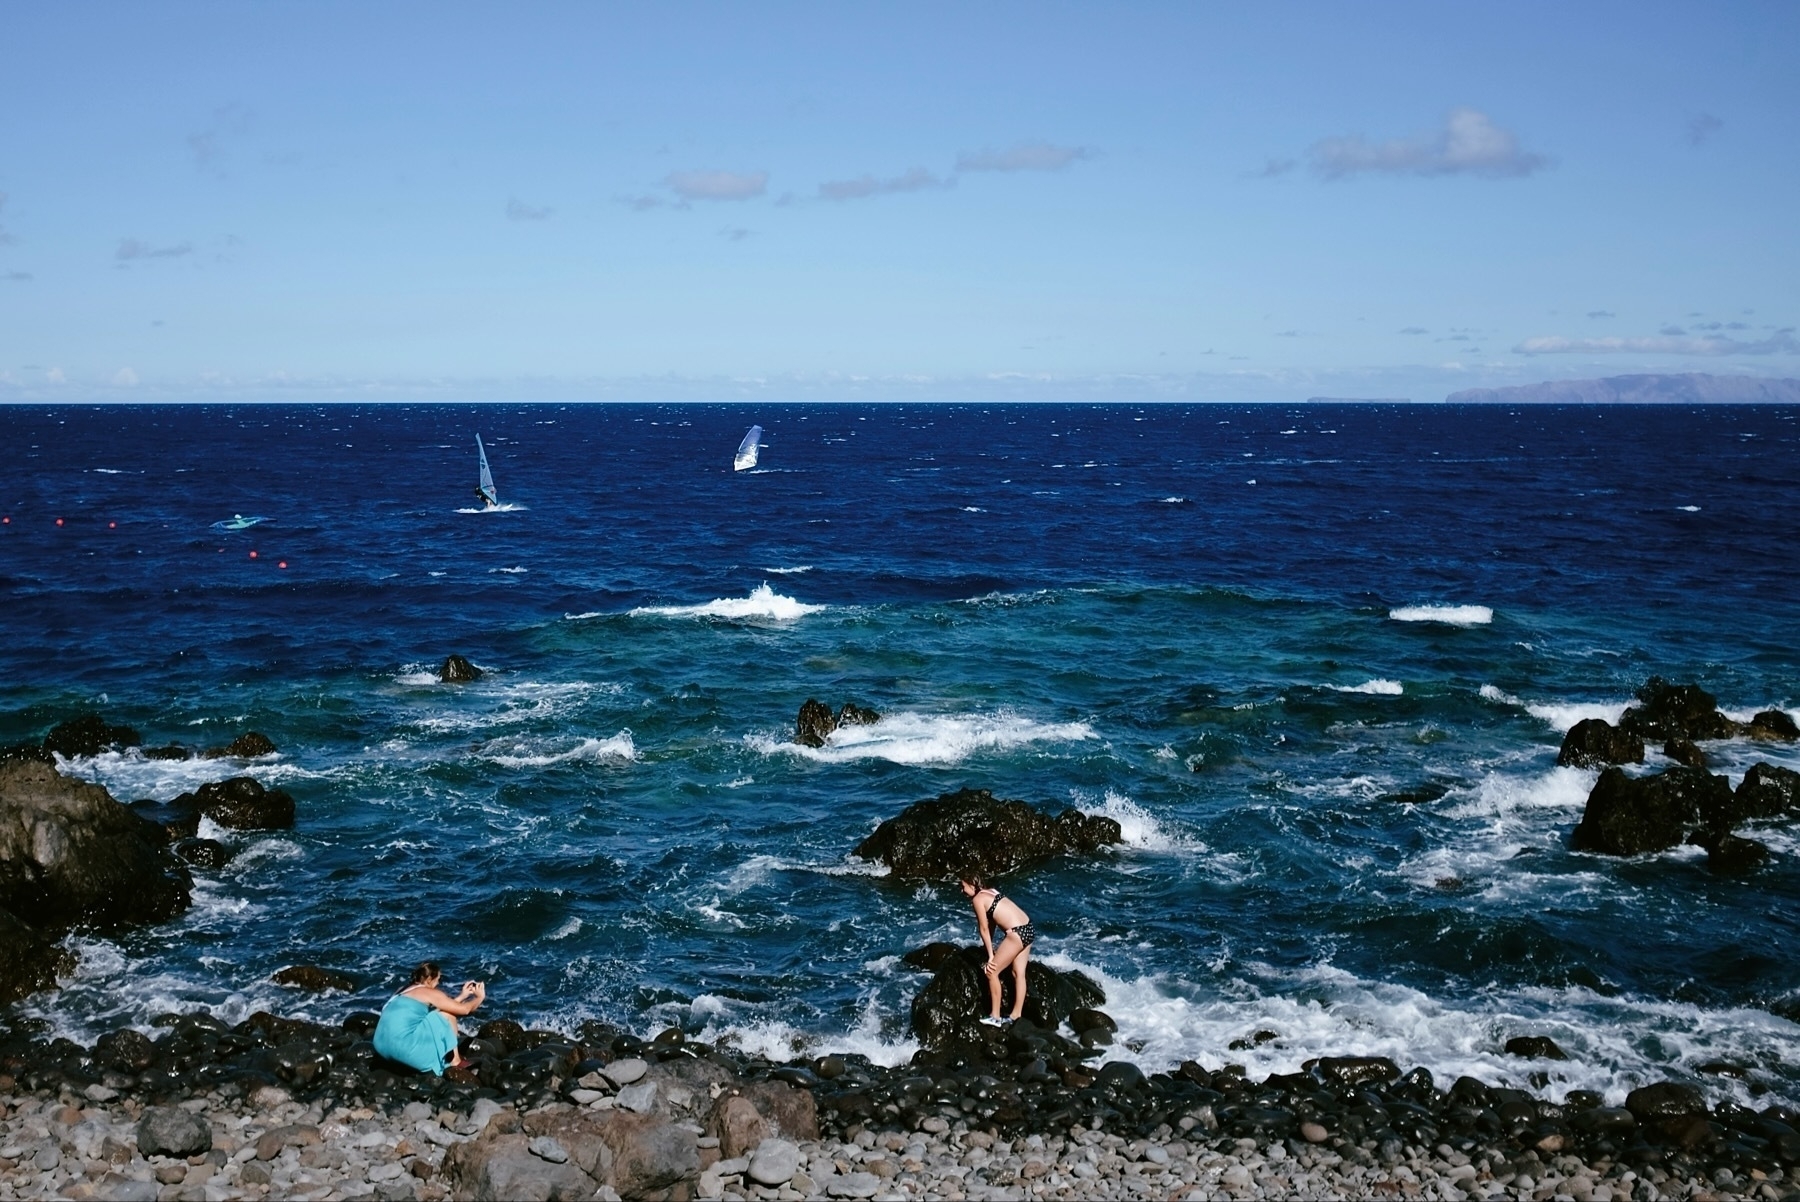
point(237, 521)
point(746, 452)
point(489, 497)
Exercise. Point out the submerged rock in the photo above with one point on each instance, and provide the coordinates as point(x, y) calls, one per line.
point(973, 831)
point(242, 804)
point(29, 960)
point(1594, 741)
point(314, 979)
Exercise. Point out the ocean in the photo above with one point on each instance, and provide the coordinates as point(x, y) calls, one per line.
point(1316, 660)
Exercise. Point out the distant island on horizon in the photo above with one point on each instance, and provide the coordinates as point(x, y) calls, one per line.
point(1691, 388)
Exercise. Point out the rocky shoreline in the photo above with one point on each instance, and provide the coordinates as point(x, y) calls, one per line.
point(279, 1108)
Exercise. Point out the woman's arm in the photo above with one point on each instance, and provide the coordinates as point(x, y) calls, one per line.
point(473, 994)
point(981, 924)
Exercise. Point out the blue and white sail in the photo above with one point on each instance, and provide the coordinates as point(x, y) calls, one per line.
point(489, 497)
point(746, 452)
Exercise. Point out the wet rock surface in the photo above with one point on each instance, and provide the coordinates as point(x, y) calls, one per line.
point(1595, 741)
point(973, 831)
point(816, 721)
point(1667, 711)
point(458, 670)
point(280, 1108)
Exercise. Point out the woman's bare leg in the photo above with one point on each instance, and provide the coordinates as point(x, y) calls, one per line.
point(1004, 951)
point(456, 1060)
point(1018, 967)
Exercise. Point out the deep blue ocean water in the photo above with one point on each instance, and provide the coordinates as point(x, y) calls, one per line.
point(1246, 632)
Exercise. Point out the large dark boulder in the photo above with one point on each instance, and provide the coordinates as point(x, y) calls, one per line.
point(1594, 741)
point(1776, 725)
point(1729, 855)
point(457, 670)
point(243, 804)
point(29, 961)
point(971, 830)
point(1768, 792)
point(89, 734)
point(957, 996)
point(1628, 816)
point(313, 979)
point(69, 853)
point(1676, 710)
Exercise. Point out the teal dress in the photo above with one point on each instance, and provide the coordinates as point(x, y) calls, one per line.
point(414, 1034)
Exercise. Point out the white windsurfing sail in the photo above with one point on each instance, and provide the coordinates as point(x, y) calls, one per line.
point(488, 496)
point(746, 452)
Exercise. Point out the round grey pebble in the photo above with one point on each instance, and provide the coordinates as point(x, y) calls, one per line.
point(774, 1162)
point(166, 1131)
point(624, 1072)
point(638, 1098)
point(545, 1148)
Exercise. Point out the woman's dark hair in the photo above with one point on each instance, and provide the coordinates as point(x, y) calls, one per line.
point(425, 971)
point(971, 878)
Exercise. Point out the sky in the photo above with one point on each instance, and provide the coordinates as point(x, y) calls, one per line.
point(675, 201)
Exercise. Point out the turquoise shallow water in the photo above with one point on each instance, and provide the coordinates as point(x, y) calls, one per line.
point(1317, 662)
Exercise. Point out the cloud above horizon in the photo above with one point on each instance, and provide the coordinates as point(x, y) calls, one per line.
point(1780, 342)
point(133, 248)
point(518, 210)
point(913, 179)
point(1028, 156)
point(1468, 144)
point(717, 185)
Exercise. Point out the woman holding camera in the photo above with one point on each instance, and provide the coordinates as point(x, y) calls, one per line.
point(418, 1025)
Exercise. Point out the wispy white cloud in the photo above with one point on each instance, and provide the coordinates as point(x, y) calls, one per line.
point(717, 185)
point(1601, 313)
point(1029, 156)
point(125, 378)
point(1781, 342)
point(912, 180)
point(132, 248)
point(1468, 144)
point(518, 210)
point(1702, 128)
point(17, 277)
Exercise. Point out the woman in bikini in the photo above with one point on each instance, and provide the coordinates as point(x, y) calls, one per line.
point(997, 916)
point(418, 1025)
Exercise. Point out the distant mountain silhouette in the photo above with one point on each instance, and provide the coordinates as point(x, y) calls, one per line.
point(1692, 388)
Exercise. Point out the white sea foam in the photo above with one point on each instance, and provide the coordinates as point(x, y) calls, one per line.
point(1493, 693)
point(805, 567)
point(1450, 615)
point(510, 571)
point(905, 738)
point(1174, 500)
point(570, 927)
point(415, 677)
point(1562, 715)
point(763, 602)
point(536, 753)
point(129, 775)
point(503, 507)
point(1615, 1043)
point(1377, 688)
point(1688, 508)
point(732, 1023)
point(1137, 826)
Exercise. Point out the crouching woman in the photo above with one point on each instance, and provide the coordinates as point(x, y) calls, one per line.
point(418, 1025)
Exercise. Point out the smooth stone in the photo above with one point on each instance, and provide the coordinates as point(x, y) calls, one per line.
point(774, 1162)
point(853, 1185)
point(639, 1098)
point(625, 1072)
point(548, 1149)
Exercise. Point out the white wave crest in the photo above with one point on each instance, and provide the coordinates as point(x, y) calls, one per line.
point(1563, 715)
point(1451, 615)
point(1499, 696)
point(928, 738)
point(521, 753)
point(763, 602)
point(1615, 1044)
point(795, 571)
point(1377, 688)
point(1138, 826)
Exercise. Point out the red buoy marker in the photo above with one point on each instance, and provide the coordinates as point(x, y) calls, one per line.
point(252, 555)
point(59, 521)
point(282, 564)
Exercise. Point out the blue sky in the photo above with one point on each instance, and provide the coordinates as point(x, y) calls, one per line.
point(911, 202)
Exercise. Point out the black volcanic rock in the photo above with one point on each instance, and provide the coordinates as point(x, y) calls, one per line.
point(243, 804)
point(957, 996)
point(1768, 792)
point(29, 960)
point(69, 853)
point(1594, 741)
point(246, 746)
point(1775, 725)
point(816, 721)
point(973, 831)
point(458, 670)
point(1628, 816)
point(88, 734)
point(1670, 711)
